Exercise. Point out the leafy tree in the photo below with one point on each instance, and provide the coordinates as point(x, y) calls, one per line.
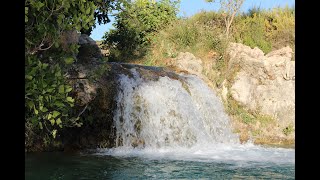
point(135, 26)
point(51, 37)
point(102, 13)
point(230, 8)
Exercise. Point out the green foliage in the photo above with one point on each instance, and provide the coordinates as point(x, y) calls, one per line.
point(135, 27)
point(235, 109)
point(47, 97)
point(267, 30)
point(251, 32)
point(51, 46)
point(46, 20)
point(198, 34)
point(281, 27)
point(104, 7)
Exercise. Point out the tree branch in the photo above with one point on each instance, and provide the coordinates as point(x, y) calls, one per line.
point(83, 110)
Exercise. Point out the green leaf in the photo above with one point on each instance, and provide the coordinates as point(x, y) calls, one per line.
point(49, 116)
point(59, 21)
point(39, 5)
point(59, 104)
point(45, 65)
point(52, 121)
point(69, 60)
point(40, 107)
point(36, 111)
point(54, 132)
point(88, 11)
point(40, 124)
point(34, 120)
point(68, 89)
point(50, 90)
point(44, 109)
point(56, 44)
point(61, 89)
point(55, 114)
point(70, 99)
point(28, 77)
point(61, 16)
point(58, 73)
point(58, 121)
point(30, 104)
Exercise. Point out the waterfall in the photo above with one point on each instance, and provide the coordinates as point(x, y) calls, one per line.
point(167, 112)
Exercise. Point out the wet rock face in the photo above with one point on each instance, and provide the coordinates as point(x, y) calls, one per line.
point(265, 82)
point(96, 98)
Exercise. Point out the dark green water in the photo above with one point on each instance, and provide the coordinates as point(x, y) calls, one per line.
point(75, 166)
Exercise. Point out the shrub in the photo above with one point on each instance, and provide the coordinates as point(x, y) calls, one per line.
point(135, 27)
point(51, 31)
point(267, 30)
point(47, 97)
point(281, 27)
point(250, 30)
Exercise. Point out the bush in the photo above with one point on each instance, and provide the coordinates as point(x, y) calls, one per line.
point(281, 27)
point(251, 32)
point(47, 97)
point(135, 27)
point(267, 30)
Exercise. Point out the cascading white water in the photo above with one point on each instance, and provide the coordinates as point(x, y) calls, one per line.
point(169, 113)
point(182, 120)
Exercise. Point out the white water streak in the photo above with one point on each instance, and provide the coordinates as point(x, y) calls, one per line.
point(172, 120)
point(168, 113)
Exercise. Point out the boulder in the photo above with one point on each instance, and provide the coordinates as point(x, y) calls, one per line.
point(189, 62)
point(264, 83)
point(88, 50)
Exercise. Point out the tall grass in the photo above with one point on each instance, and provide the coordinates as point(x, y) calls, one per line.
point(266, 29)
point(198, 34)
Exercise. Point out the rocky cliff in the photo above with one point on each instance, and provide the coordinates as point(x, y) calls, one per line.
point(264, 82)
point(262, 87)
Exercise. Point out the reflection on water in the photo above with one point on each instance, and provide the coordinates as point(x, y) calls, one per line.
point(75, 166)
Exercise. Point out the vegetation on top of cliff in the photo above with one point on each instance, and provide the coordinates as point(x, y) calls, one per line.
point(203, 33)
point(135, 27)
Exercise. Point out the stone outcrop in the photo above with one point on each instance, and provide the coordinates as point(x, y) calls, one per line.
point(188, 62)
point(89, 51)
point(265, 83)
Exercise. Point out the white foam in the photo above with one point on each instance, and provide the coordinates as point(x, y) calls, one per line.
point(236, 153)
point(169, 113)
point(180, 120)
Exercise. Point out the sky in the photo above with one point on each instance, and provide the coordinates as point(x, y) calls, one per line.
point(191, 7)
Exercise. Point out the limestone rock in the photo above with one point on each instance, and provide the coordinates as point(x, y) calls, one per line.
point(265, 82)
point(189, 62)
